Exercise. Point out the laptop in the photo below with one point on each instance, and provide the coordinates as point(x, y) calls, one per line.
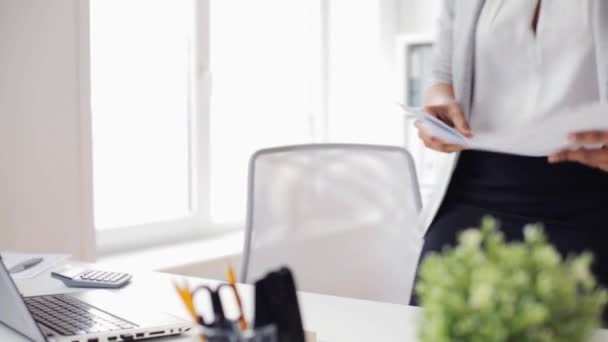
point(90, 316)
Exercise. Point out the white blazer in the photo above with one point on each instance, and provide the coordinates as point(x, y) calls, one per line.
point(454, 64)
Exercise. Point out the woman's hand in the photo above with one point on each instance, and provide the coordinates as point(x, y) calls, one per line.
point(451, 113)
point(597, 158)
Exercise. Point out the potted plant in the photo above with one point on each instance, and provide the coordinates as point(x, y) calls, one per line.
point(485, 289)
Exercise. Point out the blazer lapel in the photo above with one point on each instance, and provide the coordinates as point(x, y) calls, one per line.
point(601, 46)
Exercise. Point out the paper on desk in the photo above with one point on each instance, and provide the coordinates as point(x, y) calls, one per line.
point(540, 138)
point(11, 259)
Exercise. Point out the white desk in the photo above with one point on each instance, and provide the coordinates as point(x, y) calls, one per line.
point(332, 318)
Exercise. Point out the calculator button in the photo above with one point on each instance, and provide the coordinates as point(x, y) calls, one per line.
point(121, 276)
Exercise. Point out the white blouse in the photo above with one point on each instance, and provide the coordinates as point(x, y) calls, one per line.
point(521, 75)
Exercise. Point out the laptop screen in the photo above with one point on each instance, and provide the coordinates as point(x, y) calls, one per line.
point(13, 311)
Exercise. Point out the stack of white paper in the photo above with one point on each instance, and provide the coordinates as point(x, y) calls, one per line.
point(540, 138)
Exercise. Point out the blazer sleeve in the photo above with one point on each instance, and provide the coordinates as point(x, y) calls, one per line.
point(443, 50)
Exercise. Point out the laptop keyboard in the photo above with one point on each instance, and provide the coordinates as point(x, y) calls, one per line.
point(70, 316)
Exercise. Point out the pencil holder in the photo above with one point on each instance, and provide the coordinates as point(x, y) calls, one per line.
point(264, 334)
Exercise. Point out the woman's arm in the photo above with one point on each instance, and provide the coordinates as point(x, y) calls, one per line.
point(597, 158)
point(439, 94)
point(439, 99)
point(443, 50)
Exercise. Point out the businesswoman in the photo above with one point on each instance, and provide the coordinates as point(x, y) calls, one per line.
point(502, 64)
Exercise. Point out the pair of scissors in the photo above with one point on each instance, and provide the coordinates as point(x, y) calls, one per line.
point(220, 321)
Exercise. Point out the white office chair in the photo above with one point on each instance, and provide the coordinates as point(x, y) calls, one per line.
point(342, 217)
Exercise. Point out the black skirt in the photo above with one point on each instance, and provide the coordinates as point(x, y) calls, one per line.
point(568, 198)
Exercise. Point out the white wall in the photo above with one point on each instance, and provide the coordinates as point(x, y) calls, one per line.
point(45, 197)
point(418, 16)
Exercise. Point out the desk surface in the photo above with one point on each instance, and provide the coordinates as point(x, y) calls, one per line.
point(331, 318)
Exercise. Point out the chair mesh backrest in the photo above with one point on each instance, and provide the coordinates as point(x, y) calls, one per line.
point(341, 216)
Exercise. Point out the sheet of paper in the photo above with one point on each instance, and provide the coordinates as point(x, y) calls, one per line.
point(48, 261)
point(540, 138)
point(436, 127)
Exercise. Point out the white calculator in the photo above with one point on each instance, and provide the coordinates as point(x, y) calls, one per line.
point(73, 276)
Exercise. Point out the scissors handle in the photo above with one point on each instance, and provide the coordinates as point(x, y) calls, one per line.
point(218, 309)
point(219, 320)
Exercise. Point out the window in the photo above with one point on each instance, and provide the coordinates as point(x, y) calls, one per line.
point(266, 74)
point(141, 98)
point(184, 91)
point(289, 72)
point(362, 103)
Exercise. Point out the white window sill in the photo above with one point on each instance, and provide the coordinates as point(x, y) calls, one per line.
point(176, 256)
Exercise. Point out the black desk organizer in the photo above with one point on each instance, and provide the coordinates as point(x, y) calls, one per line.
point(277, 314)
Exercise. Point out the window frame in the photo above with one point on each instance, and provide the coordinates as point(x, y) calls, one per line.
point(198, 224)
